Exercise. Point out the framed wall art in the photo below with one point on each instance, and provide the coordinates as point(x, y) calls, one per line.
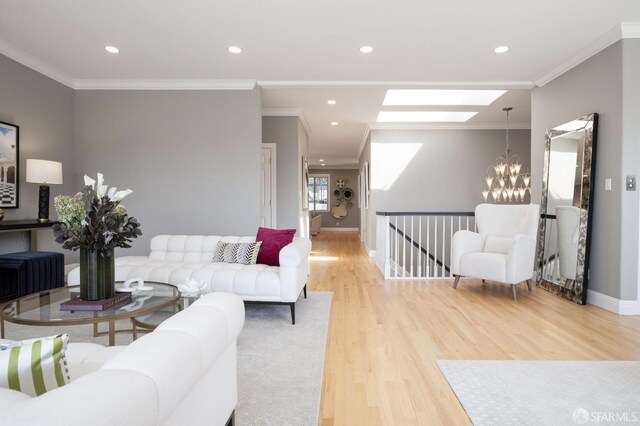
point(9, 161)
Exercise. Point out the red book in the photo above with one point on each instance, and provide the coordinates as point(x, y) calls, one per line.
point(77, 304)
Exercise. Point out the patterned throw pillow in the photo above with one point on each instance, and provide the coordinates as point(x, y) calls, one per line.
point(273, 240)
point(34, 366)
point(244, 253)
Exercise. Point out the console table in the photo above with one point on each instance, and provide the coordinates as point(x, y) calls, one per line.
point(25, 225)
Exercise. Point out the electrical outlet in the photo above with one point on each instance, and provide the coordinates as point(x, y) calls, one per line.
point(631, 183)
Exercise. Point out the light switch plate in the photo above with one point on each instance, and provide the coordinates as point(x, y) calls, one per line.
point(607, 184)
point(631, 183)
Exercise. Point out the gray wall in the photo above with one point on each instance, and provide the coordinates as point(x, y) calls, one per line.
point(353, 216)
point(597, 85)
point(43, 109)
point(292, 143)
point(191, 157)
point(435, 170)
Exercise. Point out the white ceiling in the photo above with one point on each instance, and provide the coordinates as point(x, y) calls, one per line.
point(303, 43)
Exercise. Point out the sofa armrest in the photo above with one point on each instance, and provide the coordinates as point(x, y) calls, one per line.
point(294, 268)
point(296, 252)
point(464, 242)
point(520, 258)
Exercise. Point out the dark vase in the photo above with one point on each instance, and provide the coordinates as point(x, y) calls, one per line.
point(97, 274)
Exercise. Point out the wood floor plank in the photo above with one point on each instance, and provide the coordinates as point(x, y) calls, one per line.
point(385, 336)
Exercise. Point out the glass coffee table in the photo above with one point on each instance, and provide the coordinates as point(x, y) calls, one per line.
point(43, 309)
point(146, 322)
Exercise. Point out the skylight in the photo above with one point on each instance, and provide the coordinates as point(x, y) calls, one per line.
point(442, 97)
point(424, 116)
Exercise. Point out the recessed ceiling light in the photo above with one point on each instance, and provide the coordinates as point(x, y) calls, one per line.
point(424, 116)
point(366, 49)
point(234, 49)
point(322, 165)
point(334, 123)
point(501, 49)
point(111, 49)
point(321, 160)
point(331, 102)
point(442, 97)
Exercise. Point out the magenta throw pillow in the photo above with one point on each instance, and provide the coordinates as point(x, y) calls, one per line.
point(273, 240)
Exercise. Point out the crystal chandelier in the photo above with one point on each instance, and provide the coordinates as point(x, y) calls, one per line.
point(504, 181)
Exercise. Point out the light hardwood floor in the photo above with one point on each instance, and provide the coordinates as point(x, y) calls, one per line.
point(385, 336)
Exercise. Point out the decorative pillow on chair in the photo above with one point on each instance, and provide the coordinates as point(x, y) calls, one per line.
point(497, 245)
point(273, 240)
point(244, 253)
point(34, 366)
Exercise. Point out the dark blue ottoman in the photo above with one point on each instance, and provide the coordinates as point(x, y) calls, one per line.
point(30, 272)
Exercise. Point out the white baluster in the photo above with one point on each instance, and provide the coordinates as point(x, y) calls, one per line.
point(419, 246)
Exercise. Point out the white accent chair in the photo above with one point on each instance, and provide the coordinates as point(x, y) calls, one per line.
point(502, 250)
point(316, 224)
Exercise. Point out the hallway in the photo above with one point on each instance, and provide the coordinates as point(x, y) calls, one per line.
point(385, 336)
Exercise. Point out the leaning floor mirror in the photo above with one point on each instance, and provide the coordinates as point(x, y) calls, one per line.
point(567, 208)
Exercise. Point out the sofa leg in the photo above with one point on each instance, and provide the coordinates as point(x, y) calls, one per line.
point(455, 283)
point(232, 419)
point(513, 291)
point(293, 313)
point(305, 291)
point(529, 285)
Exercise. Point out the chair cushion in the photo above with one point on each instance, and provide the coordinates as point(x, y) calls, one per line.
point(273, 240)
point(495, 244)
point(34, 366)
point(489, 266)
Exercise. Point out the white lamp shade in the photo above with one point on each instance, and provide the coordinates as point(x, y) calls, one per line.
point(44, 171)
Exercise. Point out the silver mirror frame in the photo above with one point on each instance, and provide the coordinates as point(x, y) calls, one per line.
point(577, 292)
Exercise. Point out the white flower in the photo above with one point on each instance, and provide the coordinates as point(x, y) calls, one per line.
point(89, 182)
point(111, 192)
point(119, 195)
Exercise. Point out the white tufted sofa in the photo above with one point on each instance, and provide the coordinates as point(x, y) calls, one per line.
point(175, 258)
point(183, 373)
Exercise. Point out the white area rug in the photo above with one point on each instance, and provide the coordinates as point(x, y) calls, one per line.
point(541, 393)
point(279, 364)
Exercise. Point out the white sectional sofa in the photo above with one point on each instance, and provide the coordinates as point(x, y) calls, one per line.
point(175, 258)
point(183, 373)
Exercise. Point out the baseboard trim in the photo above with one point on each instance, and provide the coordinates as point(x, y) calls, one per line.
point(620, 307)
point(339, 229)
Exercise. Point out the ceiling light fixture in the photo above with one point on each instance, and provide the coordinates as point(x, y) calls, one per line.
point(501, 49)
point(334, 123)
point(504, 180)
point(112, 49)
point(442, 97)
point(366, 49)
point(424, 116)
point(321, 160)
point(322, 165)
point(234, 49)
point(331, 102)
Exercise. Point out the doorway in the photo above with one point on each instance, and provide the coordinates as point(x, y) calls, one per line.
point(268, 186)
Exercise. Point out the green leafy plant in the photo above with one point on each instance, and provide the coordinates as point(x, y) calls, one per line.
point(94, 219)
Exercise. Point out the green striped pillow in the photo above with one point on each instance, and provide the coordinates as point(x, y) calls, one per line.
point(34, 366)
point(244, 253)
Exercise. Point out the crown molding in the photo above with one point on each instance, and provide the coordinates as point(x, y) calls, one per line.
point(363, 141)
point(35, 64)
point(389, 84)
point(165, 84)
point(288, 112)
point(615, 34)
point(342, 164)
point(448, 126)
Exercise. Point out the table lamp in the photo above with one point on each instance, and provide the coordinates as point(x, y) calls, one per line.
point(46, 173)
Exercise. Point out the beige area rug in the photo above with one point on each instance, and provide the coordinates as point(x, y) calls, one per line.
point(280, 365)
point(541, 393)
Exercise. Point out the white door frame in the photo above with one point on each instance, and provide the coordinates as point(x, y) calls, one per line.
point(272, 147)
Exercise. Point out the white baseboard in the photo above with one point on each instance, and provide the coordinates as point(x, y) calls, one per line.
point(620, 307)
point(339, 229)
